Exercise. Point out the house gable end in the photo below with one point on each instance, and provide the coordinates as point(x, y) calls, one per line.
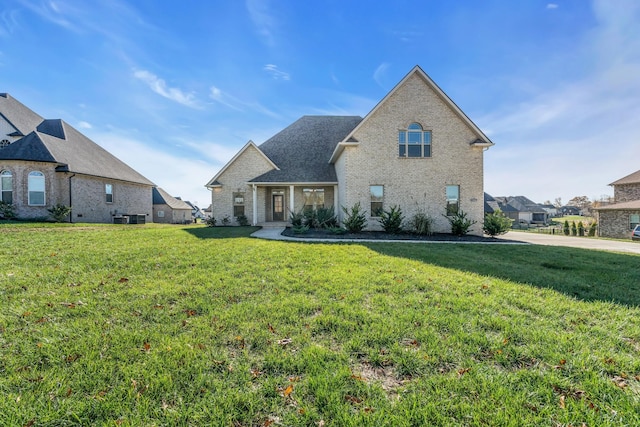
point(248, 163)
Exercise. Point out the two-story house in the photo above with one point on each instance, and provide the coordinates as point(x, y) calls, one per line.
point(618, 219)
point(416, 149)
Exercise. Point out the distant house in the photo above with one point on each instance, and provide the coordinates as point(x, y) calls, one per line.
point(523, 210)
point(47, 162)
point(492, 205)
point(196, 212)
point(415, 150)
point(618, 219)
point(169, 209)
point(550, 209)
point(569, 210)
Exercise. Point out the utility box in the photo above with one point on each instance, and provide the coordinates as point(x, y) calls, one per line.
point(137, 219)
point(123, 219)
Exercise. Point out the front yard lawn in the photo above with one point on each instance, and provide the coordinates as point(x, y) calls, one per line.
point(188, 325)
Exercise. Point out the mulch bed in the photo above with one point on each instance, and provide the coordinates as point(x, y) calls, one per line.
point(381, 235)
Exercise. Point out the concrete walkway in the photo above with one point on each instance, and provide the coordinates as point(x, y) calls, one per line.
point(275, 233)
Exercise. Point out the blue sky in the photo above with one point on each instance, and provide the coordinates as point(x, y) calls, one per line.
point(176, 88)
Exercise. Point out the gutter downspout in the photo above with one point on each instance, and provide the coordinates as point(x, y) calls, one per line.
point(70, 202)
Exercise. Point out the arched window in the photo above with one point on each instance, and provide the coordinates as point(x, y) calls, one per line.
point(414, 142)
point(36, 188)
point(6, 187)
point(4, 143)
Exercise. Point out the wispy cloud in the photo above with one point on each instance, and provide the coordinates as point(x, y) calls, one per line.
point(160, 87)
point(84, 125)
point(234, 103)
point(263, 20)
point(552, 6)
point(276, 73)
point(380, 73)
point(8, 22)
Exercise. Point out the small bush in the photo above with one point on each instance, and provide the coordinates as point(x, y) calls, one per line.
point(593, 228)
point(296, 219)
point(300, 229)
point(336, 230)
point(391, 220)
point(565, 228)
point(211, 221)
point(421, 224)
point(326, 218)
point(460, 224)
point(242, 220)
point(574, 229)
point(59, 212)
point(496, 224)
point(6, 211)
point(580, 229)
point(226, 220)
point(355, 218)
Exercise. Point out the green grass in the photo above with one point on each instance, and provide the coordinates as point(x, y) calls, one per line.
point(186, 325)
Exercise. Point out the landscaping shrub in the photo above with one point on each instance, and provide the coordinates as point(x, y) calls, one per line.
point(326, 218)
point(421, 224)
point(211, 221)
point(565, 228)
point(574, 229)
point(460, 224)
point(593, 228)
point(580, 229)
point(226, 220)
point(296, 219)
point(59, 212)
point(496, 224)
point(242, 220)
point(6, 211)
point(391, 220)
point(355, 218)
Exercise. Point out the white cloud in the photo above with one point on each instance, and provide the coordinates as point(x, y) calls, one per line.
point(276, 73)
point(263, 20)
point(552, 6)
point(234, 103)
point(380, 73)
point(84, 125)
point(160, 87)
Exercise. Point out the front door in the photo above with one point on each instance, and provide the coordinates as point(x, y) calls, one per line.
point(278, 207)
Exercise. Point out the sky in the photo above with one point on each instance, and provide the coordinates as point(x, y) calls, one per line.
point(175, 89)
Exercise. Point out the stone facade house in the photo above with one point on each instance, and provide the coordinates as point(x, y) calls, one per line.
point(169, 209)
point(47, 162)
point(416, 149)
point(618, 219)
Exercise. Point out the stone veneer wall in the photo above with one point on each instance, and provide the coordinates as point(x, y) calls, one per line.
point(415, 184)
point(626, 192)
point(614, 223)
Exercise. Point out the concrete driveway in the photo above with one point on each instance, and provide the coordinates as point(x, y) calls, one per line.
point(574, 242)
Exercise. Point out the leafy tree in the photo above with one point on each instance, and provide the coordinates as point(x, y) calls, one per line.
point(391, 220)
point(460, 224)
point(557, 202)
point(59, 212)
point(496, 223)
point(355, 219)
point(581, 202)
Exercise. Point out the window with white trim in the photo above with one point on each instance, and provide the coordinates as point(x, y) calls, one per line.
point(453, 199)
point(108, 193)
point(36, 185)
point(414, 142)
point(377, 199)
point(238, 204)
point(313, 199)
point(634, 219)
point(6, 186)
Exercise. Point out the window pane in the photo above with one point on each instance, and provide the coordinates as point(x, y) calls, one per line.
point(377, 195)
point(453, 192)
point(36, 197)
point(376, 208)
point(633, 221)
point(414, 126)
point(426, 137)
point(402, 137)
point(415, 137)
point(7, 197)
point(415, 151)
point(238, 210)
point(453, 199)
point(36, 181)
point(427, 151)
point(402, 151)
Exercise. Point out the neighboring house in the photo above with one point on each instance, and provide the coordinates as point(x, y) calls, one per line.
point(416, 149)
point(520, 208)
point(196, 212)
point(618, 219)
point(569, 210)
point(551, 210)
point(168, 209)
point(492, 205)
point(47, 162)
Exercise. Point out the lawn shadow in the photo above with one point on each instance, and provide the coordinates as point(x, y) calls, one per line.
point(220, 232)
point(587, 275)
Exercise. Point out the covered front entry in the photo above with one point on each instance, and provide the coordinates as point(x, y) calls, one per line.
point(275, 203)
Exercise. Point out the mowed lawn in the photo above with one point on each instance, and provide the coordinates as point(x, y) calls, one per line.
point(173, 325)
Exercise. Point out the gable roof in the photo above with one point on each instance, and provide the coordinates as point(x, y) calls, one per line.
point(161, 197)
point(23, 119)
point(481, 141)
point(55, 141)
point(303, 149)
point(213, 182)
point(633, 178)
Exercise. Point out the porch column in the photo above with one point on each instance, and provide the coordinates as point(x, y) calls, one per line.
point(336, 208)
point(291, 204)
point(255, 205)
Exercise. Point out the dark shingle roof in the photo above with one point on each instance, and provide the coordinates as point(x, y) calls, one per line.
point(55, 141)
point(303, 149)
point(633, 178)
point(161, 197)
point(21, 118)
